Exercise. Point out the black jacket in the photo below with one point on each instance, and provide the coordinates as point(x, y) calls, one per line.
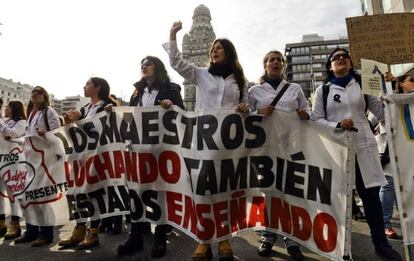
point(167, 90)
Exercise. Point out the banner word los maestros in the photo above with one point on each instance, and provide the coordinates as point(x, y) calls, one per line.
point(31, 169)
point(400, 135)
point(211, 174)
point(387, 38)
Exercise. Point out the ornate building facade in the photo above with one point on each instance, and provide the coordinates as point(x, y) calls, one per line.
point(196, 45)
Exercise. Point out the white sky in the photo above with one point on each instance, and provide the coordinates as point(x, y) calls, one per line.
point(59, 44)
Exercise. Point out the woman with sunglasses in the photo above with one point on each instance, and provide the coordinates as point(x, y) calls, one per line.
point(98, 90)
point(154, 88)
point(221, 85)
point(41, 118)
point(290, 97)
point(13, 127)
point(339, 103)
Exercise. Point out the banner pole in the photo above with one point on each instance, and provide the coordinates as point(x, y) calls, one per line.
point(348, 222)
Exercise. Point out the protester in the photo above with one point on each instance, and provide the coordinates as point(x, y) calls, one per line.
point(339, 103)
point(42, 118)
point(13, 127)
point(154, 88)
point(405, 84)
point(97, 89)
point(221, 85)
point(275, 92)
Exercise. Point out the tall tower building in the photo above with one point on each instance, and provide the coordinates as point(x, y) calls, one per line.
point(196, 45)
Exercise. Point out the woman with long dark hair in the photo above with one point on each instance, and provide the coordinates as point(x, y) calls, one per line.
point(13, 127)
point(41, 118)
point(339, 103)
point(98, 90)
point(154, 88)
point(220, 85)
point(275, 92)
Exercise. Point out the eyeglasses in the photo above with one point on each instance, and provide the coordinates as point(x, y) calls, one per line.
point(146, 63)
point(339, 55)
point(37, 92)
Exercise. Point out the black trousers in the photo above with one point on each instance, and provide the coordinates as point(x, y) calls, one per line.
point(39, 232)
point(373, 209)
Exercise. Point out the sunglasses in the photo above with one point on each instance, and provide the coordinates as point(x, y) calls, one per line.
point(37, 92)
point(146, 63)
point(338, 56)
point(410, 80)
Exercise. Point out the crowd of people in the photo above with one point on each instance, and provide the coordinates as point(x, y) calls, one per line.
point(338, 103)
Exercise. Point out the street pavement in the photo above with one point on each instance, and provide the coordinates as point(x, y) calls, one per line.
point(180, 247)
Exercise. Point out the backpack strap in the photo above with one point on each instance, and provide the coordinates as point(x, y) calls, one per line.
point(280, 94)
point(45, 117)
point(325, 93)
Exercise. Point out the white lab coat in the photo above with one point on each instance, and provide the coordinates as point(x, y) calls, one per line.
point(352, 106)
point(262, 95)
point(12, 128)
point(37, 121)
point(213, 91)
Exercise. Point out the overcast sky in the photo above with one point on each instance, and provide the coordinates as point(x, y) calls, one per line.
point(59, 44)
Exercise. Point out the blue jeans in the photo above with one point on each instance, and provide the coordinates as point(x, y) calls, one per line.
point(387, 197)
point(271, 238)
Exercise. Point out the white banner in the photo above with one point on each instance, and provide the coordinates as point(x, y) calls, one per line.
point(400, 135)
point(211, 174)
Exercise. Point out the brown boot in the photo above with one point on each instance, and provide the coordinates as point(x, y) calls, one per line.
point(91, 238)
point(78, 235)
point(3, 228)
point(225, 251)
point(202, 252)
point(13, 231)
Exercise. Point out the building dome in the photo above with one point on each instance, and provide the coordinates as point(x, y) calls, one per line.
point(201, 10)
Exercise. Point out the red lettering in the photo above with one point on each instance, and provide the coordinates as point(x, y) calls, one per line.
point(119, 167)
point(173, 207)
point(221, 215)
point(79, 173)
point(207, 231)
point(302, 224)
point(147, 167)
point(238, 219)
point(258, 212)
point(164, 158)
point(90, 179)
point(190, 212)
point(131, 165)
point(321, 220)
point(280, 213)
point(105, 166)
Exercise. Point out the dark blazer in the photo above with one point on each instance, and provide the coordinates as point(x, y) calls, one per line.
point(167, 90)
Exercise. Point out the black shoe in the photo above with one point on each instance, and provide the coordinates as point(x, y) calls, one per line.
point(295, 253)
point(159, 247)
point(386, 251)
point(133, 244)
point(265, 249)
point(26, 238)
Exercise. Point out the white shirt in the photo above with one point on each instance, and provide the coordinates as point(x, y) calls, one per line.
point(262, 95)
point(12, 128)
point(148, 98)
point(37, 121)
point(213, 91)
point(91, 110)
point(351, 105)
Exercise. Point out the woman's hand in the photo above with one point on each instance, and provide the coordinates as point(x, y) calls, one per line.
point(41, 132)
point(166, 104)
point(174, 29)
point(303, 115)
point(243, 107)
point(347, 124)
point(71, 116)
point(266, 111)
point(389, 77)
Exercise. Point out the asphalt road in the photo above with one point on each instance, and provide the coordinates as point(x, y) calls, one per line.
point(180, 247)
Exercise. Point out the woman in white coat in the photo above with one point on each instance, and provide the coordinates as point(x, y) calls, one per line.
point(339, 103)
point(41, 118)
point(13, 127)
point(221, 85)
point(274, 89)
